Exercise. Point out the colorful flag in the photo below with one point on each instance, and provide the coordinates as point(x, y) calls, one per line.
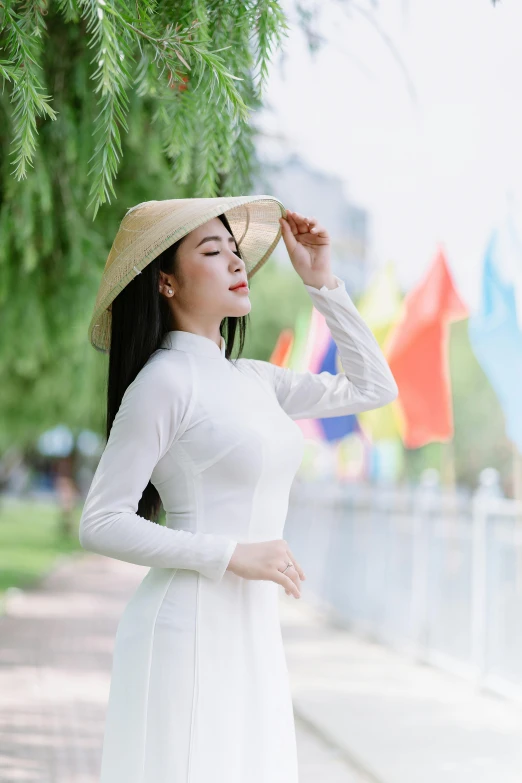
point(496, 337)
point(508, 253)
point(314, 350)
point(283, 348)
point(417, 353)
point(380, 306)
point(298, 360)
point(321, 355)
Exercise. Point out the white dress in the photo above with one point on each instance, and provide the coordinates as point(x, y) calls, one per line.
point(200, 690)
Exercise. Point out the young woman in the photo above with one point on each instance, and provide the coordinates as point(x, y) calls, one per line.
point(199, 690)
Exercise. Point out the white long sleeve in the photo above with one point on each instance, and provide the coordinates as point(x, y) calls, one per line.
point(154, 412)
point(367, 381)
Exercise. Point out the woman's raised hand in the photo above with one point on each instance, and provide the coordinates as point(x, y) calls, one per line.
point(308, 245)
point(266, 560)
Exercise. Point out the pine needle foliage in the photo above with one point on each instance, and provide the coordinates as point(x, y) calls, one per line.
point(106, 103)
point(205, 57)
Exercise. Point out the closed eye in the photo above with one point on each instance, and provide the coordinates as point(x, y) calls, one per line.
point(215, 253)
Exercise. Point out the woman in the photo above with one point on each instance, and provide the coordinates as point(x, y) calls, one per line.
point(199, 690)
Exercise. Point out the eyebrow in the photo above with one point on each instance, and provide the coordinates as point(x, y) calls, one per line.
point(216, 238)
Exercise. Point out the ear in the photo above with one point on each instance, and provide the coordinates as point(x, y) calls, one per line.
point(165, 285)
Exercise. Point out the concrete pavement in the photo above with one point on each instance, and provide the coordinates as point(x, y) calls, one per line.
point(364, 714)
point(56, 643)
point(399, 721)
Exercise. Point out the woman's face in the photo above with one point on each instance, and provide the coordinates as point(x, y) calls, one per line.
point(207, 266)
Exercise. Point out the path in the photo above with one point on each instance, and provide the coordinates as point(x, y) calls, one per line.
point(364, 714)
point(55, 655)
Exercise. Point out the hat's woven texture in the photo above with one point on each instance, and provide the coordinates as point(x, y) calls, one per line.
point(150, 227)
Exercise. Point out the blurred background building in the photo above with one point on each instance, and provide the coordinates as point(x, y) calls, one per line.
point(313, 192)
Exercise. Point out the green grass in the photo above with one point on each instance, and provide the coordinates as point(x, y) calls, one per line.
point(31, 542)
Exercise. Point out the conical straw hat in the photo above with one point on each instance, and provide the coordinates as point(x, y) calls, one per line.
point(150, 227)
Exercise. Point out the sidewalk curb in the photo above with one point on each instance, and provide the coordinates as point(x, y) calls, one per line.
point(363, 773)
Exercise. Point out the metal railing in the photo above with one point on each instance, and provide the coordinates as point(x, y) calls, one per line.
point(436, 575)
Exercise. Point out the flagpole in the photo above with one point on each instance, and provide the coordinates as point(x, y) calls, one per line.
point(447, 467)
point(517, 495)
point(517, 474)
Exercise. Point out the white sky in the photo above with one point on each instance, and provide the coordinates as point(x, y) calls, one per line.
point(435, 170)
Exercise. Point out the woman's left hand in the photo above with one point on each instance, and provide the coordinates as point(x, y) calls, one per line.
point(308, 245)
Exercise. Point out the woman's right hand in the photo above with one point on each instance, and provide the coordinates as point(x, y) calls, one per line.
point(266, 560)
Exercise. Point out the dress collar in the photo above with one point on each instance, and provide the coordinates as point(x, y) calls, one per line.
point(194, 343)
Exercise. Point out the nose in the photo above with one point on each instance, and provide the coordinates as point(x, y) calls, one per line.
point(237, 262)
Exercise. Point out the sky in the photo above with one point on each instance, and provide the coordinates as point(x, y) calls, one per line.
point(419, 112)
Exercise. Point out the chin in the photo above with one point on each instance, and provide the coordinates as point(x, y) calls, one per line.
point(242, 308)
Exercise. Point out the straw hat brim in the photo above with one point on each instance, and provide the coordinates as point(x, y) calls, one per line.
point(150, 227)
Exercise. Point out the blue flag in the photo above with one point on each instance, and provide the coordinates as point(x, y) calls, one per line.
point(496, 339)
point(335, 427)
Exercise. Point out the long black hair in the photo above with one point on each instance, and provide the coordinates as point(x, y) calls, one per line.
point(140, 318)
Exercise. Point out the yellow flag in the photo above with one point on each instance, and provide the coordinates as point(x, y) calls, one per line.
point(380, 307)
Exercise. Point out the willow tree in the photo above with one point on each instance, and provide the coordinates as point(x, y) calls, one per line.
point(107, 103)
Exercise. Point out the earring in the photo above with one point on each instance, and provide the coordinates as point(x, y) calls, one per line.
point(170, 290)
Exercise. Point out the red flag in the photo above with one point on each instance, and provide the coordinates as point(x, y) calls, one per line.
point(283, 348)
point(417, 353)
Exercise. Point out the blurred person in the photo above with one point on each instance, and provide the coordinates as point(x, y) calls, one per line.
point(66, 492)
point(199, 686)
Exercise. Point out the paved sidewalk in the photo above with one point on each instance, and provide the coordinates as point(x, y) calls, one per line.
point(364, 714)
point(399, 721)
point(56, 646)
